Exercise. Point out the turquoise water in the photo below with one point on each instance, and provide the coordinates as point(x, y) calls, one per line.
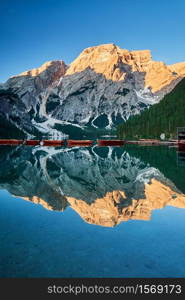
point(58, 242)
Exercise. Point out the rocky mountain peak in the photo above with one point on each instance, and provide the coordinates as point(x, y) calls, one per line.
point(101, 88)
point(49, 66)
point(47, 73)
point(115, 63)
point(178, 68)
point(110, 60)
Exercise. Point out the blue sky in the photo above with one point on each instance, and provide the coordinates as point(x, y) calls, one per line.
point(35, 31)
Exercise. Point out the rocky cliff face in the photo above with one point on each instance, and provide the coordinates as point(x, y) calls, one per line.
point(178, 68)
point(22, 97)
point(115, 64)
point(104, 86)
point(104, 186)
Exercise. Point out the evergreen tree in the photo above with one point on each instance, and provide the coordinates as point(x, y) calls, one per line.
point(163, 117)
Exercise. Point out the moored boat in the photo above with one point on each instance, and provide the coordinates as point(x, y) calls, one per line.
point(10, 142)
point(53, 142)
point(83, 143)
point(181, 145)
point(31, 142)
point(110, 142)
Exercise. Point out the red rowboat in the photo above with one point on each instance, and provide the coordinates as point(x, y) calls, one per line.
point(52, 143)
point(10, 142)
point(110, 142)
point(84, 143)
point(31, 142)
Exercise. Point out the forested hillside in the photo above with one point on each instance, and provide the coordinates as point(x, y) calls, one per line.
point(163, 117)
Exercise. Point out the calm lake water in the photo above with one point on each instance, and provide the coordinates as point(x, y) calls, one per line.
point(92, 212)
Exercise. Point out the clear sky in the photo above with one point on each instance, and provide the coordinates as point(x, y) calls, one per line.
point(35, 31)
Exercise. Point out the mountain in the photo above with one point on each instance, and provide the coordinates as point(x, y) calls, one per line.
point(105, 186)
point(21, 98)
point(163, 117)
point(101, 88)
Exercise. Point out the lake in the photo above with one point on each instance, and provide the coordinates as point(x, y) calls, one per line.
point(92, 212)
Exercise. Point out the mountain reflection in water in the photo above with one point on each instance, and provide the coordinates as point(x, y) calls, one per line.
point(105, 186)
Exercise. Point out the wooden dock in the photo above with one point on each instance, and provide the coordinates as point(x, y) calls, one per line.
point(153, 142)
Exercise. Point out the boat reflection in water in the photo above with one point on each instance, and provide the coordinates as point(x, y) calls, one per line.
point(181, 158)
point(104, 185)
point(181, 145)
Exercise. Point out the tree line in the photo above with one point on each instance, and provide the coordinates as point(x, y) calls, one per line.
point(163, 117)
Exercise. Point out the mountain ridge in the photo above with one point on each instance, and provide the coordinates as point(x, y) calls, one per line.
point(101, 88)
